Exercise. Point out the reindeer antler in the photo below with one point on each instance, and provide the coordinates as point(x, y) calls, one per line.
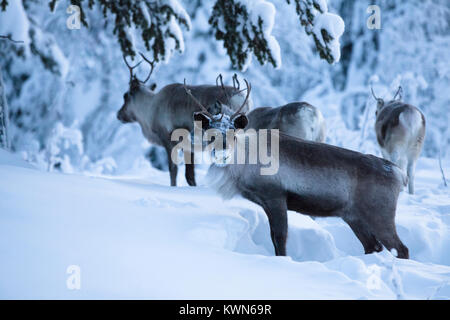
point(151, 63)
point(130, 68)
point(236, 86)
point(188, 91)
point(236, 81)
point(249, 89)
point(373, 94)
point(399, 93)
point(220, 78)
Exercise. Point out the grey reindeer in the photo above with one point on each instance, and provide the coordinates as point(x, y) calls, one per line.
point(400, 130)
point(297, 119)
point(160, 113)
point(315, 179)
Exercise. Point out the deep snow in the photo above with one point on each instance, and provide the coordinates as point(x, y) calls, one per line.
point(135, 237)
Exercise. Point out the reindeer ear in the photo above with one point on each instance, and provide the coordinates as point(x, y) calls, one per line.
point(203, 118)
point(240, 121)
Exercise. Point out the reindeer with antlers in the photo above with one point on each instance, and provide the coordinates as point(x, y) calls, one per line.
point(297, 119)
point(160, 113)
point(400, 130)
point(312, 178)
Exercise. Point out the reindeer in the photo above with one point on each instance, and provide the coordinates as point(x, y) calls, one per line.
point(159, 113)
point(400, 130)
point(297, 119)
point(313, 178)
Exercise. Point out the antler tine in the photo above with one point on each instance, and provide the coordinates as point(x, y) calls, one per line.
point(195, 100)
point(219, 77)
point(399, 93)
point(249, 89)
point(235, 80)
point(371, 89)
point(130, 68)
point(151, 63)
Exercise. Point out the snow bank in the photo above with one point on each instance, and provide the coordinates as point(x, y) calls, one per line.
point(136, 237)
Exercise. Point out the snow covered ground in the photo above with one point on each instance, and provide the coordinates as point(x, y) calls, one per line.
point(136, 237)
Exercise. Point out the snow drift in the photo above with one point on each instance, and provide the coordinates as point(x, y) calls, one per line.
point(135, 237)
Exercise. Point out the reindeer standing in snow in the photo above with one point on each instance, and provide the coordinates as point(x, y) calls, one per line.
point(311, 178)
point(400, 130)
point(160, 113)
point(297, 119)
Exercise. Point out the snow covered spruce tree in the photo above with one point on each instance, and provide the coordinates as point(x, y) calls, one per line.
point(245, 26)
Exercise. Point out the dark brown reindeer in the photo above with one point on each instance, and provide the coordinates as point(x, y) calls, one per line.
point(159, 113)
point(315, 179)
point(400, 130)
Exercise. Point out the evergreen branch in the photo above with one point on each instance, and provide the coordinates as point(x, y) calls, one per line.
point(10, 39)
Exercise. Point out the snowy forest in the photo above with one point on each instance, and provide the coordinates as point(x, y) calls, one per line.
point(79, 186)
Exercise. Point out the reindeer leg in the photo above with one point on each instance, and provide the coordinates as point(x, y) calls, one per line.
point(190, 173)
point(367, 239)
point(173, 168)
point(276, 211)
point(385, 231)
point(410, 171)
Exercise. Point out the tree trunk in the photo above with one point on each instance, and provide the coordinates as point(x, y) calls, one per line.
point(4, 142)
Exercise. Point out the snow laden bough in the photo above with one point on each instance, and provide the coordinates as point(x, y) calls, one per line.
point(326, 28)
point(246, 27)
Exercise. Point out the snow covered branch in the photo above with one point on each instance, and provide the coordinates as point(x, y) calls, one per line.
point(158, 22)
point(325, 28)
point(246, 26)
point(10, 39)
